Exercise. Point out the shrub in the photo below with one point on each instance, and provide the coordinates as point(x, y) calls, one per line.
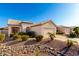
point(22, 33)
point(76, 30)
point(69, 43)
point(17, 37)
point(21, 37)
point(37, 51)
point(59, 32)
point(39, 38)
point(1, 28)
point(72, 35)
point(31, 33)
point(12, 35)
point(51, 35)
point(2, 37)
point(24, 37)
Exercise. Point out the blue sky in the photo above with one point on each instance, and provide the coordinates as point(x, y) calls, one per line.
point(61, 14)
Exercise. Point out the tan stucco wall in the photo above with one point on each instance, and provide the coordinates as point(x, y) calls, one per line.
point(10, 29)
point(48, 27)
point(24, 25)
point(37, 29)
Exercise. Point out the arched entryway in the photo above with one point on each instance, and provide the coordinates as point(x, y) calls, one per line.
point(15, 29)
point(28, 29)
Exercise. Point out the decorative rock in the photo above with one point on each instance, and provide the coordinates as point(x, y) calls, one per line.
point(29, 50)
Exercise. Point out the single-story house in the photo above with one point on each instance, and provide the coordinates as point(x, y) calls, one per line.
point(15, 26)
point(42, 28)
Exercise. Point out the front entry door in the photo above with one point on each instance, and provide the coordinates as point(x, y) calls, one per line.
point(15, 29)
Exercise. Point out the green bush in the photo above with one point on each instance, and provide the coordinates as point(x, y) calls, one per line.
point(18, 37)
point(76, 31)
point(22, 33)
point(1, 28)
point(2, 37)
point(39, 38)
point(69, 43)
point(21, 37)
point(12, 35)
point(59, 32)
point(72, 35)
point(31, 33)
point(24, 37)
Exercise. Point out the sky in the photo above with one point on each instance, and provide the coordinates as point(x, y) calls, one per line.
point(60, 13)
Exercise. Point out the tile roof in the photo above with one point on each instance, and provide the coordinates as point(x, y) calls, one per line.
point(39, 24)
point(12, 21)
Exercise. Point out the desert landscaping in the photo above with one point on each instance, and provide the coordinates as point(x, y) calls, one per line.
point(39, 29)
point(42, 48)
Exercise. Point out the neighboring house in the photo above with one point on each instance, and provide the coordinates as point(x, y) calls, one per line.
point(66, 30)
point(60, 30)
point(40, 28)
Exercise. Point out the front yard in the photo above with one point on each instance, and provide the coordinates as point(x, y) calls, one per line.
point(48, 47)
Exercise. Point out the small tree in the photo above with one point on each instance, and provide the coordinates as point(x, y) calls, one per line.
point(72, 35)
point(76, 30)
point(51, 35)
